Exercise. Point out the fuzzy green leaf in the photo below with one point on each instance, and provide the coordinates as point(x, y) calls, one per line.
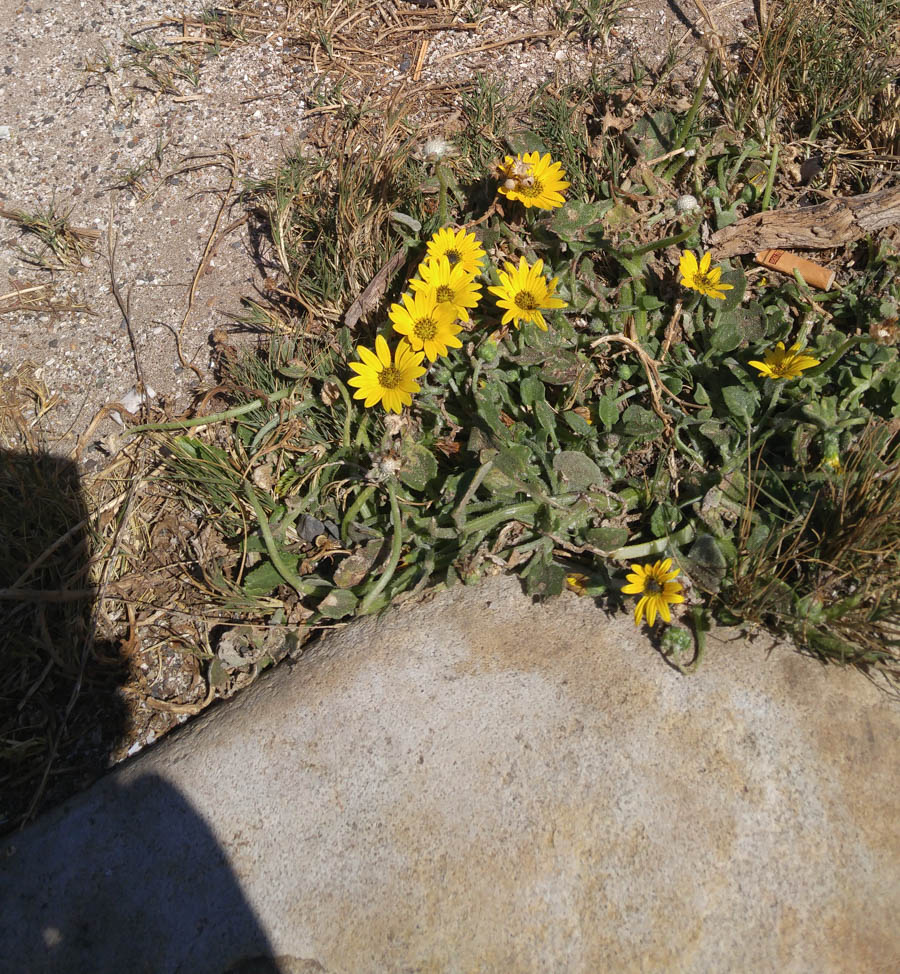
point(578, 471)
point(607, 538)
point(545, 416)
point(544, 579)
point(638, 421)
point(338, 603)
point(727, 336)
point(578, 424)
point(735, 296)
point(264, 579)
point(419, 466)
point(741, 402)
point(561, 367)
point(531, 389)
point(705, 563)
point(576, 221)
point(608, 411)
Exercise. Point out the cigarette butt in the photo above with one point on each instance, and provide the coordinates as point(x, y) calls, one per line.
point(813, 274)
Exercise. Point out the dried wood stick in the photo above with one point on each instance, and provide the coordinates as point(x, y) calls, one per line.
point(830, 224)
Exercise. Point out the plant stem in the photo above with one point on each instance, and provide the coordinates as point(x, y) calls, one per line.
point(826, 365)
point(286, 573)
point(477, 481)
point(394, 560)
point(661, 244)
point(345, 395)
point(180, 424)
point(442, 194)
point(656, 547)
point(353, 509)
point(516, 512)
point(770, 181)
point(685, 127)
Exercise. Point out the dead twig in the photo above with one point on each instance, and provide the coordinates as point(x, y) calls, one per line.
point(515, 39)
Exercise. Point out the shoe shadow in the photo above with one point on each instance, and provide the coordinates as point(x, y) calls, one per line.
point(126, 878)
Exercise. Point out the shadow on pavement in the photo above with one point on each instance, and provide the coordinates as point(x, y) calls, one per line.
point(127, 878)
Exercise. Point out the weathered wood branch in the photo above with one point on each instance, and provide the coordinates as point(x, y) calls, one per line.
point(830, 224)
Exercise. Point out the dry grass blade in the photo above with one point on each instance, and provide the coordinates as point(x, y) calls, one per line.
point(829, 577)
point(67, 243)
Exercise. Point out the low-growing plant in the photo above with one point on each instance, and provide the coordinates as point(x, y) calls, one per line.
point(555, 378)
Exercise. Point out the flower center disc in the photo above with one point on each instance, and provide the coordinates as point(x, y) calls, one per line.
point(454, 257)
point(535, 189)
point(652, 587)
point(444, 293)
point(389, 378)
point(526, 301)
point(425, 328)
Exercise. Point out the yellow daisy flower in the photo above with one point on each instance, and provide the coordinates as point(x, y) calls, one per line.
point(781, 364)
point(524, 292)
point(577, 583)
point(533, 180)
point(427, 325)
point(657, 590)
point(459, 247)
point(379, 379)
point(452, 285)
point(701, 277)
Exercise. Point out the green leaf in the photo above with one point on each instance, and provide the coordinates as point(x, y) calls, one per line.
point(607, 538)
point(531, 389)
point(489, 411)
point(751, 321)
point(525, 141)
point(705, 563)
point(578, 424)
point(578, 471)
point(264, 579)
point(418, 465)
point(637, 421)
point(608, 411)
point(733, 297)
point(561, 367)
point(545, 416)
point(513, 460)
point(544, 579)
point(727, 335)
point(654, 133)
point(621, 215)
point(716, 432)
point(338, 603)
point(575, 220)
point(664, 519)
point(741, 403)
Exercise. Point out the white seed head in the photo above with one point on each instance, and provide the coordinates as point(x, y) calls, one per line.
point(435, 149)
point(686, 203)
